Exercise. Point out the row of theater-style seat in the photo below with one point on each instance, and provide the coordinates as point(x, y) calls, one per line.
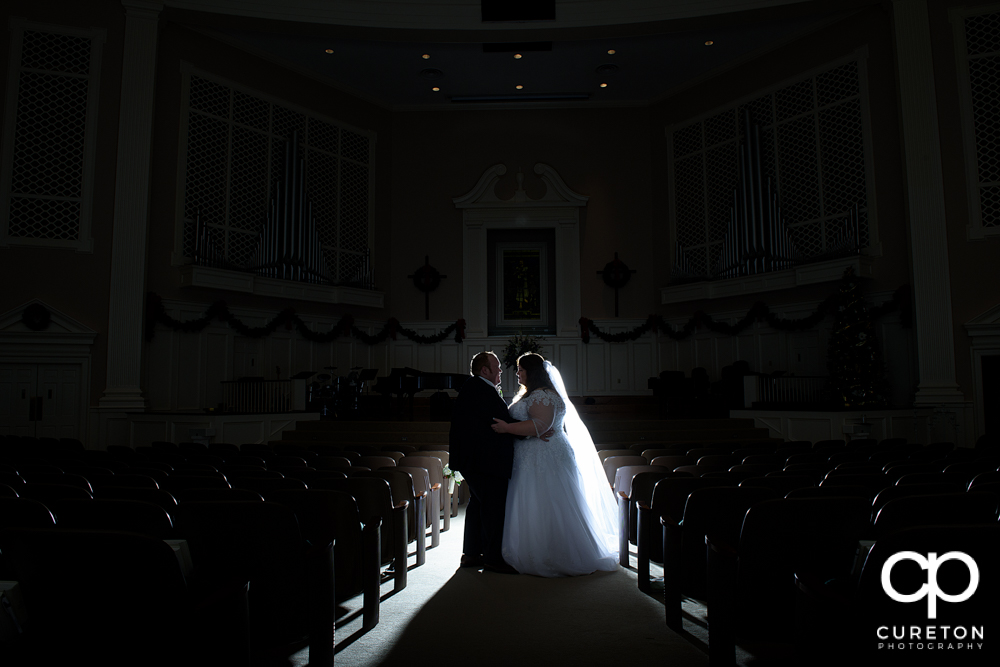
point(735, 527)
point(256, 516)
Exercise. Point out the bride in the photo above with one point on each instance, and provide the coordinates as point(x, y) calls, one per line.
point(561, 514)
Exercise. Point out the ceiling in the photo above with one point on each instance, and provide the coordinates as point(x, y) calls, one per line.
point(563, 62)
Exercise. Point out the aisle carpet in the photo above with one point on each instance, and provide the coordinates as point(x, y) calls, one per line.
point(448, 614)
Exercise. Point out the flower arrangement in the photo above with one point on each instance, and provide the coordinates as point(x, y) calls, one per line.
point(517, 346)
point(454, 478)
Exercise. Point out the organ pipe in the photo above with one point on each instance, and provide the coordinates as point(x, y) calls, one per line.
point(757, 240)
point(288, 246)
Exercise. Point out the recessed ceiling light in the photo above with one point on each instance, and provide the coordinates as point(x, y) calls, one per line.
point(426, 56)
point(435, 89)
point(519, 86)
point(517, 56)
point(709, 43)
point(604, 85)
point(329, 50)
point(611, 52)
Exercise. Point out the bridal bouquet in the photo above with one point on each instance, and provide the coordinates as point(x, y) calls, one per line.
point(454, 478)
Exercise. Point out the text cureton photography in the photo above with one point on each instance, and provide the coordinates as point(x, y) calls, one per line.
point(946, 582)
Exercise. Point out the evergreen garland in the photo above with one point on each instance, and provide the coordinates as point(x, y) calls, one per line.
point(849, 290)
point(759, 312)
point(157, 314)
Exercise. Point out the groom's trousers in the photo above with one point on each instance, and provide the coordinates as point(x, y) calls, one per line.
point(484, 516)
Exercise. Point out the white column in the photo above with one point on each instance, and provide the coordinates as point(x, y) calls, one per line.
point(925, 195)
point(128, 252)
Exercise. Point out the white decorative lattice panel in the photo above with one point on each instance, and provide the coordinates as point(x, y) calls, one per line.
point(982, 40)
point(812, 149)
point(236, 154)
point(47, 153)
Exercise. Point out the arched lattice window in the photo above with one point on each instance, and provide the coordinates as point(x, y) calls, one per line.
point(814, 150)
point(234, 146)
point(50, 136)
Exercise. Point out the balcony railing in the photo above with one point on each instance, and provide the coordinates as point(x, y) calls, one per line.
point(786, 391)
point(249, 396)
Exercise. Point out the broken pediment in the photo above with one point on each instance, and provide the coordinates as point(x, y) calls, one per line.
point(483, 195)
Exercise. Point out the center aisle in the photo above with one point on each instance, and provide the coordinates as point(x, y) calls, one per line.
point(446, 614)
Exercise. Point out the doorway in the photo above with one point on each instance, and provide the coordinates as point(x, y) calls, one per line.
point(40, 400)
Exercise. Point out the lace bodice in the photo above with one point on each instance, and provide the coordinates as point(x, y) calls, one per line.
point(544, 407)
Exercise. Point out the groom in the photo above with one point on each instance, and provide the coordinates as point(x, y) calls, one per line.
point(485, 459)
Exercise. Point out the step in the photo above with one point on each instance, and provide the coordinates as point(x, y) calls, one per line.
point(370, 438)
point(668, 424)
point(346, 426)
point(636, 437)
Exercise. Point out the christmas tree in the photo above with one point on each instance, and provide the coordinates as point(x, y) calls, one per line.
point(857, 372)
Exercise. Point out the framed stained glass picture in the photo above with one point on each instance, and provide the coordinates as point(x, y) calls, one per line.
point(521, 282)
point(522, 294)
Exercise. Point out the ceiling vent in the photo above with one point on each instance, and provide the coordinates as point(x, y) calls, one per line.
point(516, 47)
point(518, 10)
point(522, 97)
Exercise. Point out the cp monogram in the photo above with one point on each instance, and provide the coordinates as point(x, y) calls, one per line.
point(930, 590)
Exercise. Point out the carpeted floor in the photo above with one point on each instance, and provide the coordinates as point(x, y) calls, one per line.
point(449, 614)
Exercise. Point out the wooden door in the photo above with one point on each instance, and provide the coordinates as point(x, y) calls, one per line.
point(40, 400)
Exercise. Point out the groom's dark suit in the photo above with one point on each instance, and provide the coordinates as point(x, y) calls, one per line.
point(485, 458)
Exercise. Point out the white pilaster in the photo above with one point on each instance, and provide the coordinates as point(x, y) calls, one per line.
point(128, 251)
point(925, 194)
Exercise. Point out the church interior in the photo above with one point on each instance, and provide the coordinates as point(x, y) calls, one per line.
point(757, 237)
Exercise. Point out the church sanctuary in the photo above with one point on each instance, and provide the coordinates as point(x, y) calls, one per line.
point(249, 249)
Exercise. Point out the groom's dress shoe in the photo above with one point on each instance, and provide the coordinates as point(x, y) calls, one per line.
point(503, 568)
point(472, 561)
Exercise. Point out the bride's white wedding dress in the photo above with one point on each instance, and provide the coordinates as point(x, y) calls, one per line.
point(561, 513)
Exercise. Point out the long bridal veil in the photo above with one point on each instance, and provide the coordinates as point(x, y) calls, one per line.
point(600, 499)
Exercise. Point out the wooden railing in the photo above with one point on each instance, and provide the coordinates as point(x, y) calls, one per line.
point(785, 390)
point(249, 396)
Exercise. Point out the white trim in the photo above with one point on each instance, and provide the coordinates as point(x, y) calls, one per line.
point(84, 242)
